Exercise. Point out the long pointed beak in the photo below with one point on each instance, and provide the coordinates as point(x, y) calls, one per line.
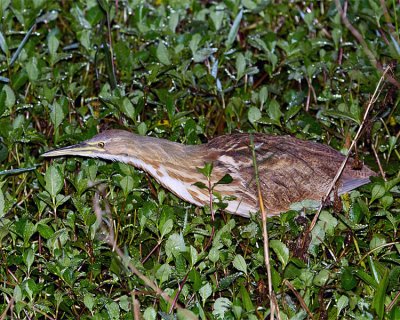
point(80, 149)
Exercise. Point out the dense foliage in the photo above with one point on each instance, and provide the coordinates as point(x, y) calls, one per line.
point(188, 71)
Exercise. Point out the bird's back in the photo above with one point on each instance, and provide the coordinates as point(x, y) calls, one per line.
point(290, 170)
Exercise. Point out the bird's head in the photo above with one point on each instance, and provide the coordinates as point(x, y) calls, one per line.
point(110, 144)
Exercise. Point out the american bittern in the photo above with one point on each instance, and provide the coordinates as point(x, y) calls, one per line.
point(290, 170)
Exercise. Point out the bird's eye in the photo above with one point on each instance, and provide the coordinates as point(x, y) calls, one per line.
point(100, 144)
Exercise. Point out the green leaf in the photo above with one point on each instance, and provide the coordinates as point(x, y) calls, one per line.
point(246, 300)
point(348, 280)
point(31, 288)
point(377, 192)
point(377, 240)
point(240, 264)
point(254, 115)
point(113, 310)
point(263, 95)
point(104, 4)
point(150, 314)
point(203, 54)
point(166, 227)
point(47, 17)
point(163, 273)
point(53, 181)
point(7, 98)
point(163, 54)
point(26, 229)
point(234, 29)
point(217, 15)
point(142, 128)
point(194, 43)
point(17, 294)
point(193, 255)
point(21, 45)
point(378, 302)
point(321, 279)
point(45, 231)
point(28, 257)
point(225, 282)
point(366, 278)
point(195, 278)
point(395, 313)
point(200, 185)
point(3, 44)
point(226, 179)
point(386, 200)
point(32, 69)
point(61, 199)
point(88, 300)
point(214, 255)
point(206, 170)
point(175, 245)
point(110, 70)
point(274, 111)
point(127, 108)
point(124, 303)
point(205, 292)
point(173, 21)
point(221, 306)
point(53, 44)
point(56, 114)
point(126, 184)
point(2, 213)
point(240, 66)
point(281, 250)
point(342, 303)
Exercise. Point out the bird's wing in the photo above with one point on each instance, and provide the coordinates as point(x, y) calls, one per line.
point(290, 170)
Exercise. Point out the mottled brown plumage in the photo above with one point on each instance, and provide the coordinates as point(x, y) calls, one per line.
point(290, 170)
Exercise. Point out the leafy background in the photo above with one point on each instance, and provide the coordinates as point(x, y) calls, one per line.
point(188, 71)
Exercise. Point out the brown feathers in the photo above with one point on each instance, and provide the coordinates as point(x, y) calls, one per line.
point(290, 170)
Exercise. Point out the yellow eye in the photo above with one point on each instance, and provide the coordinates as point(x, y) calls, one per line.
point(100, 144)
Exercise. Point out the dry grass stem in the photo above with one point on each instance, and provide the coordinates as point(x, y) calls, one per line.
point(299, 297)
point(379, 163)
point(136, 307)
point(273, 302)
point(9, 306)
point(353, 143)
point(392, 303)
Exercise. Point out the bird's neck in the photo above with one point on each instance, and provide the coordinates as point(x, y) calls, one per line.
point(172, 164)
point(150, 154)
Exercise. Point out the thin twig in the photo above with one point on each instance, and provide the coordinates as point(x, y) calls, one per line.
point(299, 297)
point(211, 204)
point(136, 307)
point(353, 143)
point(392, 303)
point(273, 302)
point(377, 248)
point(151, 252)
point(9, 304)
point(378, 162)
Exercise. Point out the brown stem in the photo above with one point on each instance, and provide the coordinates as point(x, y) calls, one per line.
point(353, 143)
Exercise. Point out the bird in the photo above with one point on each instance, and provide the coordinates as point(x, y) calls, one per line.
point(290, 170)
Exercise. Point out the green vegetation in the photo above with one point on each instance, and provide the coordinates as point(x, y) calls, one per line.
point(188, 71)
